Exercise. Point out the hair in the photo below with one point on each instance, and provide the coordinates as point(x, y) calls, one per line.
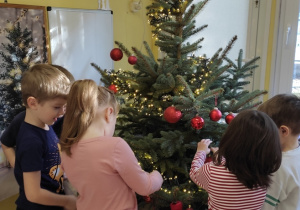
point(251, 148)
point(84, 99)
point(44, 82)
point(284, 109)
point(65, 71)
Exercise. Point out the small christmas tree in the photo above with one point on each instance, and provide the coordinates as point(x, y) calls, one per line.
point(168, 104)
point(17, 57)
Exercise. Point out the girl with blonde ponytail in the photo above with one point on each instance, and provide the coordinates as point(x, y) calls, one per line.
point(102, 168)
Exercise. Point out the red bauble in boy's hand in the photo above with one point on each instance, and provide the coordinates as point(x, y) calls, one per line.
point(197, 122)
point(177, 205)
point(116, 54)
point(113, 88)
point(215, 114)
point(229, 118)
point(172, 115)
point(132, 60)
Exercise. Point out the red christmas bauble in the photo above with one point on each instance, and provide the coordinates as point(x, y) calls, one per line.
point(176, 205)
point(172, 115)
point(132, 60)
point(208, 159)
point(215, 114)
point(229, 118)
point(116, 54)
point(147, 199)
point(197, 122)
point(113, 88)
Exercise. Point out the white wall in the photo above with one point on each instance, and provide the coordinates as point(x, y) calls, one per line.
point(225, 18)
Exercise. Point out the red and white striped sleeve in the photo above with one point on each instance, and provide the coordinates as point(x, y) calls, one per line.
point(200, 172)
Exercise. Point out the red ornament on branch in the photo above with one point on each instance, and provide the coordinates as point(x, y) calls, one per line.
point(116, 54)
point(172, 115)
point(215, 114)
point(132, 60)
point(113, 88)
point(147, 199)
point(197, 122)
point(177, 205)
point(229, 117)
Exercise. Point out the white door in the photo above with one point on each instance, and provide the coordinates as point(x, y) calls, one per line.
point(272, 35)
point(285, 73)
point(296, 70)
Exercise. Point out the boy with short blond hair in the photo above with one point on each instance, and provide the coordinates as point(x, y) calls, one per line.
point(9, 137)
point(284, 192)
point(37, 166)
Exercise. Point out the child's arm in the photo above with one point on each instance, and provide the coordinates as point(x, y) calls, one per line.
point(10, 154)
point(275, 193)
point(9, 136)
point(199, 174)
point(137, 179)
point(34, 193)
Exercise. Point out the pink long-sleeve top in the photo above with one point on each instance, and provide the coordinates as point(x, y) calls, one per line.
point(106, 174)
point(225, 192)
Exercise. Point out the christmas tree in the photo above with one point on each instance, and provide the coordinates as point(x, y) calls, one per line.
point(17, 56)
point(171, 103)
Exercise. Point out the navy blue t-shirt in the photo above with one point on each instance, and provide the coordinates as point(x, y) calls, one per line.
point(38, 150)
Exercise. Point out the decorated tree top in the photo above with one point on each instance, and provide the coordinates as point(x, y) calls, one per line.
point(168, 104)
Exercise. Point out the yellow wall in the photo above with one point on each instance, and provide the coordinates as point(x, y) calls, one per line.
point(129, 28)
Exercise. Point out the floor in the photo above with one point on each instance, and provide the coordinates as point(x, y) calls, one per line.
point(9, 203)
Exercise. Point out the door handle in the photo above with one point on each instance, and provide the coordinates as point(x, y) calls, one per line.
point(288, 31)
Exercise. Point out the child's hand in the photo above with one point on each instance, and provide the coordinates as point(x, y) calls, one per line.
point(214, 149)
point(203, 145)
point(71, 204)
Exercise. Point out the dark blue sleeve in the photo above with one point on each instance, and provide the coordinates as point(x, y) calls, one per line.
point(9, 136)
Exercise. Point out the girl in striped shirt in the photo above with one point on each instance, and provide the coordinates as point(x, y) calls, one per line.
point(238, 177)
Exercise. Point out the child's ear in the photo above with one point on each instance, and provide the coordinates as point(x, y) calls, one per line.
point(284, 130)
point(32, 102)
point(108, 113)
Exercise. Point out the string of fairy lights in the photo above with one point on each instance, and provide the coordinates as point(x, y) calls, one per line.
point(165, 12)
point(142, 101)
point(144, 104)
point(189, 190)
point(170, 182)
